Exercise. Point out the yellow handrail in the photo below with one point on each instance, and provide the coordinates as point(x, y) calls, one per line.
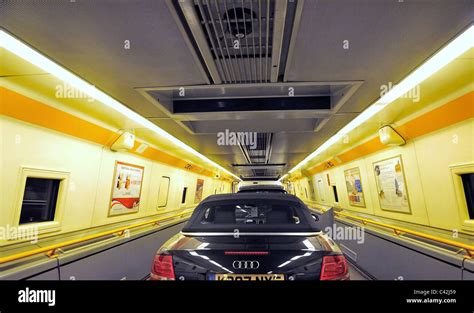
point(400, 230)
point(51, 249)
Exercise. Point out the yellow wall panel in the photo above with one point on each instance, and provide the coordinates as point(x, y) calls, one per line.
point(437, 141)
point(91, 168)
point(436, 153)
point(426, 161)
point(34, 147)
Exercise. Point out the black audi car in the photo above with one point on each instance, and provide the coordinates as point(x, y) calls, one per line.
point(250, 236)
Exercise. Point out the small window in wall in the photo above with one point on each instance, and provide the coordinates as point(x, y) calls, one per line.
point(39, 200)
point(334, 190)
point(163, 191)
point(306, 192)
point(468, 185)
point(183, 197)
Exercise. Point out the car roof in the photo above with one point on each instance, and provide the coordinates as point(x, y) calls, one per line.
point(307, 223)
point(252, 196)
point(261, 187)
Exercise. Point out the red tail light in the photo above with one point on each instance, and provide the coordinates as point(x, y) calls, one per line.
point(162, 268)
point(334, 268)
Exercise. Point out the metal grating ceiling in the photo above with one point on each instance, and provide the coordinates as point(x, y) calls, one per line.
point(238, 41)
point(259, 155)
point(261, 151)
point(240, 35)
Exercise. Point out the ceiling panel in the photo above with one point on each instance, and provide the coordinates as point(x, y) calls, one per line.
point(255, 125)
point(88, 37)
point(387, 40)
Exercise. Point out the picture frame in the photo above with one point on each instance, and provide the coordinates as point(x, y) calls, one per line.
point(391, 185)
point(199, 190)
point(355, 191)
point(126, 189)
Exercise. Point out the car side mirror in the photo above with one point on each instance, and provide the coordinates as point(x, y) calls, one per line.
point(315, 217)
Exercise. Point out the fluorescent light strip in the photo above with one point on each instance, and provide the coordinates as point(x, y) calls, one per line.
point(451, 51)
point(22, 50)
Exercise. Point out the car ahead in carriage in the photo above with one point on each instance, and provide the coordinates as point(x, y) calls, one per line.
point(262, 189)
point(250, 236)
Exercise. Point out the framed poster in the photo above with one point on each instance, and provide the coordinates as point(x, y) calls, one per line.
point(391, 185)
point(199, 188)
point(126, 189)
point(354, 187)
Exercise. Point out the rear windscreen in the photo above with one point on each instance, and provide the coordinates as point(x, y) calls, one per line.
point(250, 213)
point(252, 216)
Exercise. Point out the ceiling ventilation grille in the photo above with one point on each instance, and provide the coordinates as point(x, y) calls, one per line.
point(238, 41)
point(258, 152)
point(239, 34)
point(259, 155)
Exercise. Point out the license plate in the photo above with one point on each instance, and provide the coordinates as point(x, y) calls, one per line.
point(242, 277)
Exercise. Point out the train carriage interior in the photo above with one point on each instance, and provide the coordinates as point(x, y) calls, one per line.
point(237, 140)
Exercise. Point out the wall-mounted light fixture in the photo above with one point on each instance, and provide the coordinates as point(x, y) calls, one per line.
point(389, 136)
point(12, 44)
point(451, 51)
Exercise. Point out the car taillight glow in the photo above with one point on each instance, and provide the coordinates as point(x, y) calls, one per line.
point(162, 268)
point(334, 268)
